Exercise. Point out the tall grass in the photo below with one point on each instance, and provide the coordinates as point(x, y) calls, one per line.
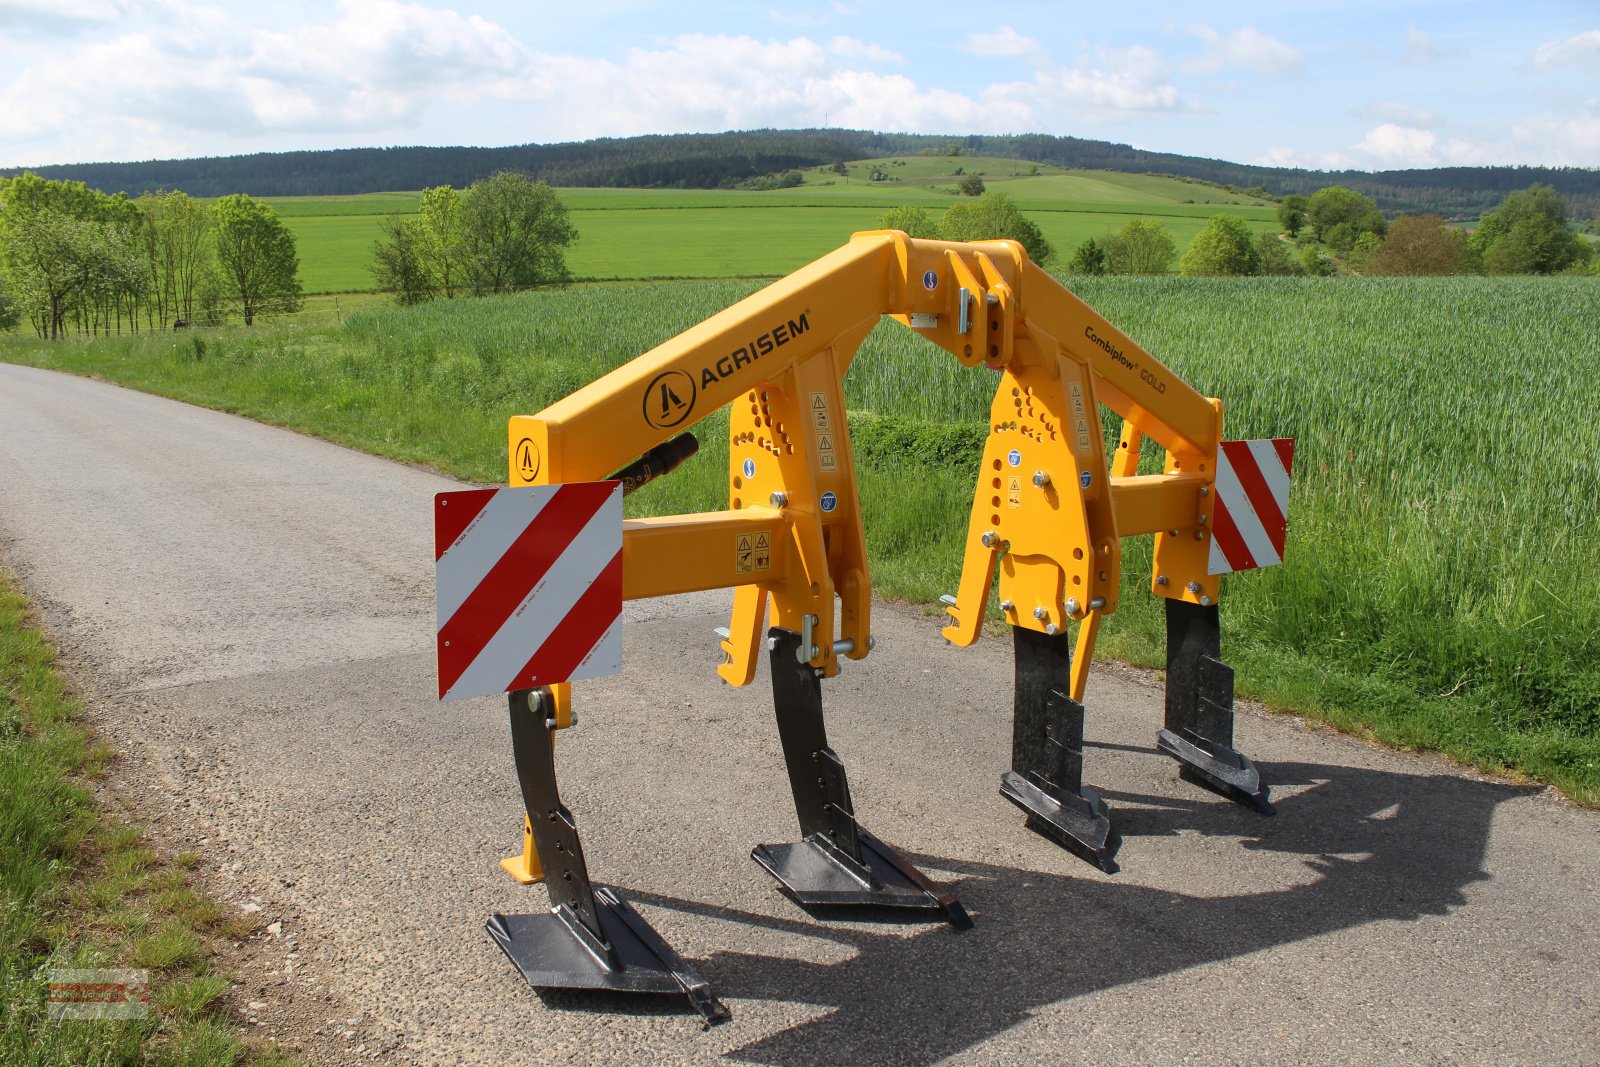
point(1446, 497)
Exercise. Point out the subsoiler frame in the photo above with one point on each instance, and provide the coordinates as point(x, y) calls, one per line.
point(1047, 520)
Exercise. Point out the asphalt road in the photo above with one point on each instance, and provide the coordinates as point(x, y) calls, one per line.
point(251, 613)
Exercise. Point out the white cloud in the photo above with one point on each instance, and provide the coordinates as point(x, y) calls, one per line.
point(1119, 83)
point(1404, 114)
point(802, 19)
point(1246, 48)
point(223, 76)
point(1557, 140)
point(1421, 50)
point(1569, 51)
point(850, 48)
point(1007, 43)
point(1282, 156)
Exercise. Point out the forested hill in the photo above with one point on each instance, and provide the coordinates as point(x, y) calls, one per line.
point(711, 160)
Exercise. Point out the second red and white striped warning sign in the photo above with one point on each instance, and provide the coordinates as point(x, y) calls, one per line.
point(528, 585)
point(1250, 519)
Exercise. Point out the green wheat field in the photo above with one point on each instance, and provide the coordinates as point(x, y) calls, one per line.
point(1438, 586)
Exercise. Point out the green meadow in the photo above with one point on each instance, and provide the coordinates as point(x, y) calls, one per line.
point(640, 234)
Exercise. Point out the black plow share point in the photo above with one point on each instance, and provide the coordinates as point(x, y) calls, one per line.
point(1199, 716)
point(817, 874)
point(591, 938)
point(556, 951)
point(1221, 769)
point(1046, 776)
point(836, 862)
point(1075, 821)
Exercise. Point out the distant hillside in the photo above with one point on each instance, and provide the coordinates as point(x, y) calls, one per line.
point(705, 161)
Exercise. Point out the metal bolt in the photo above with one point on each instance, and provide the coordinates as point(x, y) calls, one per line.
point(872, 642)
point(1161, 579)
point(1006, 605)
point(1199, 535)
point(1105, 576)
point(1202, 518)
point(1193, 587)
point(1073, 606)
point(780, 499)
point(1040, 614)
point(1097, 603)
point(572, 720)
point(1205, 602)
point(1041, 478)
point(1052, 629)
point(772, 644)
point(989, 538)
point(1205, 490)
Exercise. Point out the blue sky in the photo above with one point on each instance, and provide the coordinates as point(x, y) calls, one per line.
point(1353, 84)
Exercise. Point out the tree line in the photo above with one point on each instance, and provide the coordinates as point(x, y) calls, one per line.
point(1338, 230)
point(706, 161)
point(74, 260)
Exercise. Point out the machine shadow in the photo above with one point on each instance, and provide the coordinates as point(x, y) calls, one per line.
point(1361, 846)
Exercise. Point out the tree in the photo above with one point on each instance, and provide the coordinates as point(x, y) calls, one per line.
point(1419, 244)
point(1143, 246)
point(1088, 258)
point(1223, 247)
point(10, 311)
point(1335, 206)
point(399, 262)
point(178, 248)
point(1292, 213)
point(440, 237)
point(46, 236)
point(514, 234)
point(1366, 246)
point(1273, 256)
point(971, 185)
point(1315, 263)
point(256, 254)
point(1527, 234)
point(995, 217)
point(912, 221)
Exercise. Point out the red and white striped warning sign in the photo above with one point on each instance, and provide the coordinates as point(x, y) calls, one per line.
point(1250, 519)
point(528, 585)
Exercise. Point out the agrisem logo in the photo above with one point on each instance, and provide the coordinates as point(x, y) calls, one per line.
point(668, 399)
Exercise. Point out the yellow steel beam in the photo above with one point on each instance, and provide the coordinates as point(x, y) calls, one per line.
point(711, 550)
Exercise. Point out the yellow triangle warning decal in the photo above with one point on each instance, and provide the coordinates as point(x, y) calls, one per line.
point(762, 542)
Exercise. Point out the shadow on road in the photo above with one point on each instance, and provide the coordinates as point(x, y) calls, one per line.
point(1379, 846)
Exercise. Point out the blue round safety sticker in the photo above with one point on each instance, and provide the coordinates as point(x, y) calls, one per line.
point(829, 501)
point(930, 279)
point(749, 468)
point(1085, 478)
point(1014, 458)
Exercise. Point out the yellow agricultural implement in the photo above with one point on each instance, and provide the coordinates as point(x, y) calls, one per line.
point(1048, 517)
